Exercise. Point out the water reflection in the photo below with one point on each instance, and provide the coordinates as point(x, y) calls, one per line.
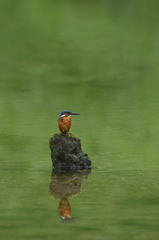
point(64, 185)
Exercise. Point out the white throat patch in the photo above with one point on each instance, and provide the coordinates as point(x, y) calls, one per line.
point(64, 115)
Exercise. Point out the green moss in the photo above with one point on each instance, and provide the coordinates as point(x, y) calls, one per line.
point(69, 135)
point(73, 136)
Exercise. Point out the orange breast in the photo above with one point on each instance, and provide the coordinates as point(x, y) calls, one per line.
point(64, 124)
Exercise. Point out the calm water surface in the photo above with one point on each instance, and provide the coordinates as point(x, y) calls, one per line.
point(100, 59)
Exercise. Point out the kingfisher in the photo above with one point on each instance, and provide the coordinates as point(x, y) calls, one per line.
point(64, 121)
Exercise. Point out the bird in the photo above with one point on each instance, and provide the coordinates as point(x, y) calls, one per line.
point(64, 121)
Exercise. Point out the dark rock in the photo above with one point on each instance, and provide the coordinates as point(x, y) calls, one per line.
point(66, 152)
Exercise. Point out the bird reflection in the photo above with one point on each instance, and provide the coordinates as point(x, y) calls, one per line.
point(64, 185)
point(64, 209)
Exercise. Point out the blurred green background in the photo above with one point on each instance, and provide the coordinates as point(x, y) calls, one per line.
point(99, 58)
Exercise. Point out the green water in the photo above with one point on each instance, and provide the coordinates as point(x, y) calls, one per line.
point(99, 58)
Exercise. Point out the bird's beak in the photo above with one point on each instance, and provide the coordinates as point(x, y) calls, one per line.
point(75, 113)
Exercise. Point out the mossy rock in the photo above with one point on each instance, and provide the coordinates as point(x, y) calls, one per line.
point(66, 152)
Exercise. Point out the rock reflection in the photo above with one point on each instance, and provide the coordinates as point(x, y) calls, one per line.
point(64, 185)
